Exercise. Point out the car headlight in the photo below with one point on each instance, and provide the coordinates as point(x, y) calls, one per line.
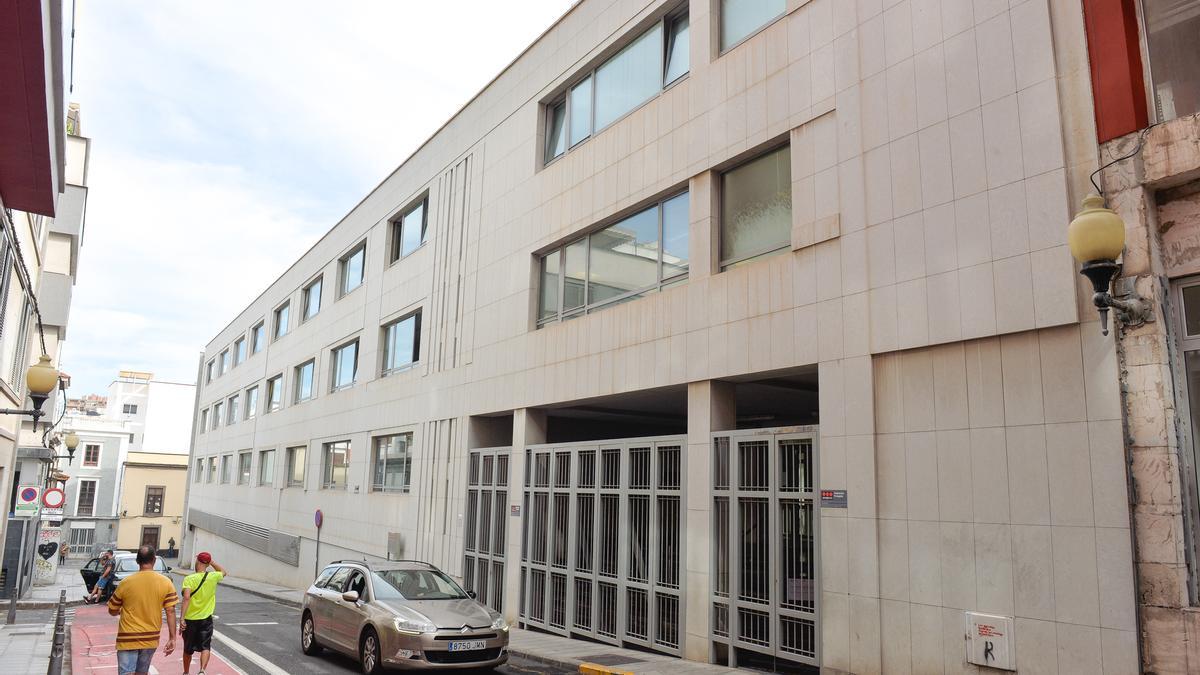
point(413, 625)
point(499, 623)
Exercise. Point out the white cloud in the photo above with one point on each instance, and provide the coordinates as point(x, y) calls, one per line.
point(228, 136)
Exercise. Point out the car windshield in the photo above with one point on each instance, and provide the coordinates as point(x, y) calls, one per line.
point(130, 565)
point(416, 585)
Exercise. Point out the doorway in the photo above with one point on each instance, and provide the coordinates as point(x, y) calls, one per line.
point(150, 535)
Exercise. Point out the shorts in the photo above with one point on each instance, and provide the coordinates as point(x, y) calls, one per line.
point(130, 661)
point(102, 583)
point(197, 635)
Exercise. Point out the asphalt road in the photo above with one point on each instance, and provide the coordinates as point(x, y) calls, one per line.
point(252, 630)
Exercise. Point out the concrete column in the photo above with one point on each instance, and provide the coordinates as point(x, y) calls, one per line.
point(711, 407)
point(529, 428)
point(704, 239)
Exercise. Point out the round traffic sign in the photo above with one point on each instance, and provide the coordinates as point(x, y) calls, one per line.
point(318, 518)
point(53, 498)
point(29, 494)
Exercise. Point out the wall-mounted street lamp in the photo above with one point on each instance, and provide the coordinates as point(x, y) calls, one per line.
point(1096, 238)
point(41, 378)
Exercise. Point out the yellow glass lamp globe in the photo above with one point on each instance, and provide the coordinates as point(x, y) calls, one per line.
point(42, 377)
point(71, 440)
point(1097, 233)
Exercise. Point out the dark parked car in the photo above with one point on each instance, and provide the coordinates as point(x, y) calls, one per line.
point(126, 564)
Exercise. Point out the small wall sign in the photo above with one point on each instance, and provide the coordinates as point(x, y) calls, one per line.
point(514, 510)
point(833, 499)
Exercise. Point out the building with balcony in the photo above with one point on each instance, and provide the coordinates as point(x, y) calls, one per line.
point(758, 344)
point(43, 192)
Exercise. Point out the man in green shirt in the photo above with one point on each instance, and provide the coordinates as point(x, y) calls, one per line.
point(199, 603)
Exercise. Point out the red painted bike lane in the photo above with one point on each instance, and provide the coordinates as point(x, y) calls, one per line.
point(94, 649)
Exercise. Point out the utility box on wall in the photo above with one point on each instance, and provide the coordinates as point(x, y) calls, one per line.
point(989, 641)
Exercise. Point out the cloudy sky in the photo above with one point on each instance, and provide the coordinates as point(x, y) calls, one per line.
point(228, 136)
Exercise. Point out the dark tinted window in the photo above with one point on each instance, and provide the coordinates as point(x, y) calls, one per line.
point(339, 578)
point(418, 585)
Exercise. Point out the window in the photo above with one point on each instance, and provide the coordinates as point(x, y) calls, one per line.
point(304, 381)
point(742, 18)
point(410, 230)
point(352, 268)
point(234, 410)
point(295, 466)
point(91, 454)
point(218, 410)
point(199, 473)
point(85, 503)
point(226, 468)
point(401, 343)
point(204, 420)
point(312, 299)
point(266, 467)
point(637, 73)
point(243, 468)
point(251, 402)
point(210, 371)
point(239, 351)
point(756, 207)
point(281, 319)
point(392, 463)
point(129, 408)
point(258, 337)
point(212, 469)
point(223, 363)
point(82, 539)
point(154, 500)
point(335, 463)
point(275, 393)
point(1185, 296)
point(345, 365)
point(1171, 30)
point(637, 255)
point(131, 437)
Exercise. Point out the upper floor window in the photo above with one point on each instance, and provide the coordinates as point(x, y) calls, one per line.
point(210, 371)
point(345, 365)
point(295, 466)
point(198, 475)
point(275, 393)
point(234, 409)
point(632, 257)
point(281, 319)
point(756, 207)
point(226, 468)
point(401, 343)
point(155, 494)
point(410, 230)
point(239, 351)
point(742, 18)
point(251, 402)
point(218, 410)
point(85, 500)
point(392, 463)
point(258, 337)
point(304, 381)
point(223, 361)
point(266, 467)
point(312, 299)
point(244, 468)
point(212, 470)
point(336, 464)
point(204, 420)
point(129, 408)
point(91, 454)
point(352, 268)
point(637, 73)
point(1171, 30)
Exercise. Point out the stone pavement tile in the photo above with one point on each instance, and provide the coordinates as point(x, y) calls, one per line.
point(25, 648)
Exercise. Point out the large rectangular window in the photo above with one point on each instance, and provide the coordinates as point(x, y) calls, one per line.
point(647, 65)
point(742, 18)
point(239, 351)
point(212, 470)
point(335, 465)
point(199, 473)
point(401, 343)
point(312, 299)
point(91, 454)
point(756, 207)
point(85, 504)
point(258, 337)
point(392, 463)
point(224, 362)
point(226, 469)
point(295, 466)
point(1171, 30)
point(252, 402)
point(266, 467)
point(304, 381)
point(281, 319)
point(244, 468)
point(634, 256)
point(345, 365)
point(234, 409)
point(204, 420)
point(410, 230)
point(218, 410)
point(210, 371)
point(352, 267)
point(155, 494)
point(275, 393)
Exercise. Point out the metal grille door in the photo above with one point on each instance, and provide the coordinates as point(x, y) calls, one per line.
point(765, 559)
point(484, 533)
point(602, 549)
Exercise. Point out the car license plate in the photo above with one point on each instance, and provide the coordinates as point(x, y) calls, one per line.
point(466, 645)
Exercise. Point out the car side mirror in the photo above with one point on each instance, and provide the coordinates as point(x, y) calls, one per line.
point(350, 596)
point(472, 595)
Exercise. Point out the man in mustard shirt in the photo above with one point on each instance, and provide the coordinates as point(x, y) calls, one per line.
point(140, 600)
point(199, 603)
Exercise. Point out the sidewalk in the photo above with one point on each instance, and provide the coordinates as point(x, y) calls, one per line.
point(587, 657)
point(94, 649)
point(25, 648)
point(46, 597)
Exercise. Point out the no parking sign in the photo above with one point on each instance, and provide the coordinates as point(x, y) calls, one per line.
point(28, 501)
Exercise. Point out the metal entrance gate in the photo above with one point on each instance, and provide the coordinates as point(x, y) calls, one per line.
point(765, 559)
point(601, 553)
point(484, 533)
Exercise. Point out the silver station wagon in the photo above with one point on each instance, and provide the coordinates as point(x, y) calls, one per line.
point(403, 614)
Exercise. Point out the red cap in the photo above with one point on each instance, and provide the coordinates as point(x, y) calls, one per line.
point(204, 557)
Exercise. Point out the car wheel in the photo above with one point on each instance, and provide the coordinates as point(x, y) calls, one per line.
point(308, 636)
point(368, 653)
